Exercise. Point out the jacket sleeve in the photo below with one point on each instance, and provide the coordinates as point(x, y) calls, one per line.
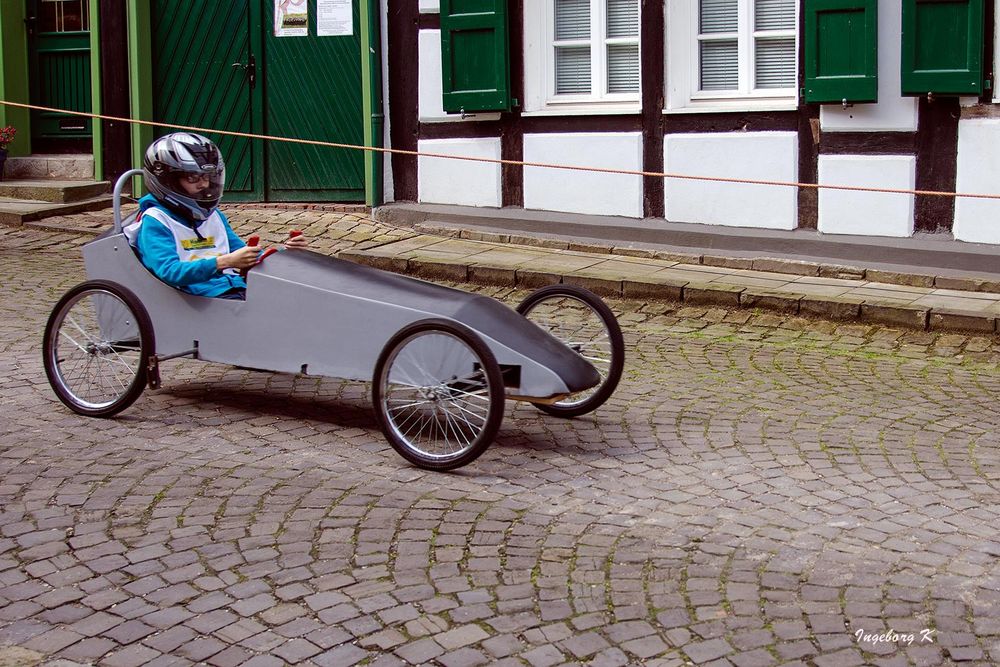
point(158, 251)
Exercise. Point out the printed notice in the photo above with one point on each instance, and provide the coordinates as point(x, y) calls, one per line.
point(291, 18)
point(334, 18)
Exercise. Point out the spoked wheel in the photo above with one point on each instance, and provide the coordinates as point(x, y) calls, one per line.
point(438, 394)
point(96, 345)
point(581, 321)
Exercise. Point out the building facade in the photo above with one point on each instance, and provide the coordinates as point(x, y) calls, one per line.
point(890, 94)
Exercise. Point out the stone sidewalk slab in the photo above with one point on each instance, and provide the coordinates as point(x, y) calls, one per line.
point(608, 274)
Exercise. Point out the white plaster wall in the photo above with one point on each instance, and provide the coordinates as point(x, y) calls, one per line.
point(769, 156)
point(866, 213)
point(462, 182)
point(429, 6)
point(430, 107)
point(978, 220)
point(580, 191)
point(892, 112)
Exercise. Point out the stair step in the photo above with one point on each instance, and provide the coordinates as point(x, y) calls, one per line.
point(63, 167)
point(53, 191)
point(18, 212)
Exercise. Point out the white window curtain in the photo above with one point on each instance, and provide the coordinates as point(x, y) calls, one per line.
point(774, 43)
point(767, 28)
point(596, 47)
point(623, 46)
point(572, 47)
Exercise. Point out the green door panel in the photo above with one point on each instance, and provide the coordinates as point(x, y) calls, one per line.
point(195, 47)
point(314, 92)
point(59, 66)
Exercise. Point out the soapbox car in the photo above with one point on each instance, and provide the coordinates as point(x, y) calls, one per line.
point(441, 361)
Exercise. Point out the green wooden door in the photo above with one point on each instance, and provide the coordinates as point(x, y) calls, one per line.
point(59, 64)
point(204, 55)
point(314, 92)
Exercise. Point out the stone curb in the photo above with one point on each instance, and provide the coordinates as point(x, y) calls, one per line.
point(843, 308)
point(771, 264)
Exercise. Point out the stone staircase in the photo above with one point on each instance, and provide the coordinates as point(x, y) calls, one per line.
point(43, 186)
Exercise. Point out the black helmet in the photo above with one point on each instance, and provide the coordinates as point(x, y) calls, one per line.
point(183, 155)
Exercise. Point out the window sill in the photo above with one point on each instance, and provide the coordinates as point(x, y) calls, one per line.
point(595, 109)
point(457, 118)
point(735, 106)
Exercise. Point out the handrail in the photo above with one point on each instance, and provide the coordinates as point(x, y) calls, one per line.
point(117, 197)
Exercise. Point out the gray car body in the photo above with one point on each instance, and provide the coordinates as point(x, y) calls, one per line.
point(307, 312)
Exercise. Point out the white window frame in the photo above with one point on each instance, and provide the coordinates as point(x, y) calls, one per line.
point(681, 66)
point(540, 98)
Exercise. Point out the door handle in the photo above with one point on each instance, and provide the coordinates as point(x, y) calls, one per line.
point(250, 67)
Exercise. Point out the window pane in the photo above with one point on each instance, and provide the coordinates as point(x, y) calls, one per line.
point(623, 18)
point(572, 69)
point(572, 19)
point(720, 65)
point(63, 16)
point(718, 16)
point(623, 68)
point(775, 66)
point(774, 14)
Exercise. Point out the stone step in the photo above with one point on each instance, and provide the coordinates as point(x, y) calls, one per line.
point(17, 212)
point(54, 191)
point(62, 167)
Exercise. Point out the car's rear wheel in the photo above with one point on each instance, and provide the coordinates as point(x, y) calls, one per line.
point(583, 322)
point(97, 343)
point(438, 394)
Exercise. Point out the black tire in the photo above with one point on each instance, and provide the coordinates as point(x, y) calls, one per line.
point(113, 362)
point(434, 400)
point(611, 363)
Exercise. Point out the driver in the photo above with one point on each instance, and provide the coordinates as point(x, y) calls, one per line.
point(183, 238)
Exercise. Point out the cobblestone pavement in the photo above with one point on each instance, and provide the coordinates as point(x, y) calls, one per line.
point(759, 490)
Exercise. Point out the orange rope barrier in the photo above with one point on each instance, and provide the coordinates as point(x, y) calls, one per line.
point(521, 163)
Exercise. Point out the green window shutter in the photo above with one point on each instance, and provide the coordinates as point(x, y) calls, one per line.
point(942, 47)
point(474, 55)
point(841, 51)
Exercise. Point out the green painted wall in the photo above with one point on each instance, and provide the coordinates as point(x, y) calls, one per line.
point(371, 74)
point(95, 90)
point(140, 66)
point(14, 74)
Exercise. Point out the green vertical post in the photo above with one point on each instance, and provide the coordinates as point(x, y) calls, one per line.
point(371, 82)
point(95, 90)
point(14, 75)
point(140, 67)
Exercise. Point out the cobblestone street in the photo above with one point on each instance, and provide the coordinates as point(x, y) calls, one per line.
point(762, 489)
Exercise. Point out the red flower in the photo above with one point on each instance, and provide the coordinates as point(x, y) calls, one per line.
point(7, 135)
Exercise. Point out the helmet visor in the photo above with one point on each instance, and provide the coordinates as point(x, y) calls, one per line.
point(203, 187)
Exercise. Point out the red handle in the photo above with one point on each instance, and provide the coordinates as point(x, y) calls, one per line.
point(253, 240)
point(295, 232)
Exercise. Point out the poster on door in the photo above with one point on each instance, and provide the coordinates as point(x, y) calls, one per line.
point(334, 18)
point(291, 18)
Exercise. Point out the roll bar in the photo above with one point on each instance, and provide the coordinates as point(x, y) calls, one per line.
point(117, 197)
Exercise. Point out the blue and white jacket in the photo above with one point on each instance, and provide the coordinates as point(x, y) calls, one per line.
point(182, 252)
